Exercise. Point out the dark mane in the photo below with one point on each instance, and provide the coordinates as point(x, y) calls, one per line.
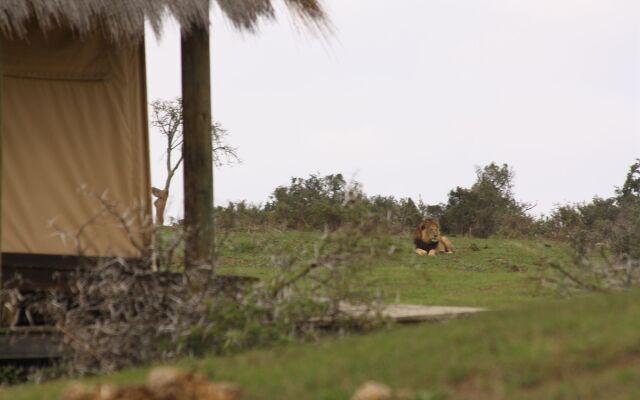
point(420, 244)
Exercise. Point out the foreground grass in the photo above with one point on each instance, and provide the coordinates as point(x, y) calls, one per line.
point(584, 348)
point(504, 353)
point(483, 272)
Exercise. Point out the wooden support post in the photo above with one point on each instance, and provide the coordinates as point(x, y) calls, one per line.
point(197, 148)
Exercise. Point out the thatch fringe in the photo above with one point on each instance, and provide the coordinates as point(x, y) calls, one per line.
point(122, 19)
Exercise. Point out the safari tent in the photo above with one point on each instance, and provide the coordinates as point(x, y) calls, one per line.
point(73, 137)
point(75, 152)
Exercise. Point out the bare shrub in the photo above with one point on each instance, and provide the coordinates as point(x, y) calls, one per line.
point(119, 314)
point(598, 273)
point(167, 118)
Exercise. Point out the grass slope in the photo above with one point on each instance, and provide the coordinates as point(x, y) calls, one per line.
point(484, 272)
point(584, 348)
point(531, 346)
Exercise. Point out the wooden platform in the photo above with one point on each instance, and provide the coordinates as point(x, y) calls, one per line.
point(419, 313)
point(412, 313)
point(29, 343)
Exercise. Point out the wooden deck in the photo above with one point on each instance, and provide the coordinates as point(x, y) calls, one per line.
point(29, 343)
point(418, 313)
point(412, 313)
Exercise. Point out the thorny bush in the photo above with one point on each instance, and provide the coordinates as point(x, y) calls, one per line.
point(602, 262)
point(118, 314)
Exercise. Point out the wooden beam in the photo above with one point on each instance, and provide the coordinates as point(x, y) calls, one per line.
point(197, 148)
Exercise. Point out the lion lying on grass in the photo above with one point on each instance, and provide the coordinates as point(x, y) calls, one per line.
point(428, 240)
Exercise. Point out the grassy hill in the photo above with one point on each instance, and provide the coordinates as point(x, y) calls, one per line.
point(584, 348)
point(483, 272)
point(533, 344)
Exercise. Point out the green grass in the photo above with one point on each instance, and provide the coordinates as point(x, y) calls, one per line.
point(498, 274)
point(585, 348)
point(533, 344)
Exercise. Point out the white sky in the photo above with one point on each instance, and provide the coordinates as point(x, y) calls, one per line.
point(408, 96)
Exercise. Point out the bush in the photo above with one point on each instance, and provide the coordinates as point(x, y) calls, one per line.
point(323, 202)
point(625, 232)
point(315, 202)
point(518, 226)
point(482, 209)
point(119, 314)
point(605, 237)
point(563, 222)
point(487, 208)
point(241, 215)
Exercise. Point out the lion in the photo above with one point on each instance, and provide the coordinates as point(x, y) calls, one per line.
point(428, 240)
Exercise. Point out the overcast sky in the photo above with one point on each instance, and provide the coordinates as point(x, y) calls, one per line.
point(408, 96)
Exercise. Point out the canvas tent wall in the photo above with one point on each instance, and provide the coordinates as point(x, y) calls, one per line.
point(74, 127)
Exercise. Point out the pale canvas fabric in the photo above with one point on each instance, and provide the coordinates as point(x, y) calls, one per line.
point(74, 128)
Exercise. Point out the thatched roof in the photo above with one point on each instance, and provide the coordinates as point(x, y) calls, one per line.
point(122, 18)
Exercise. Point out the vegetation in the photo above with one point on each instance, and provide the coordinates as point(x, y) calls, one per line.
point(609, 228)
point(316, 203)
point(123, 316)
point(487, 209)
point(118, 314)
point(586, 348)
point(487, 206)
point(321, 241)
point(490, 273)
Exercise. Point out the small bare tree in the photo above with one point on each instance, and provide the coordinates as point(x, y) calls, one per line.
point(167, 117)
